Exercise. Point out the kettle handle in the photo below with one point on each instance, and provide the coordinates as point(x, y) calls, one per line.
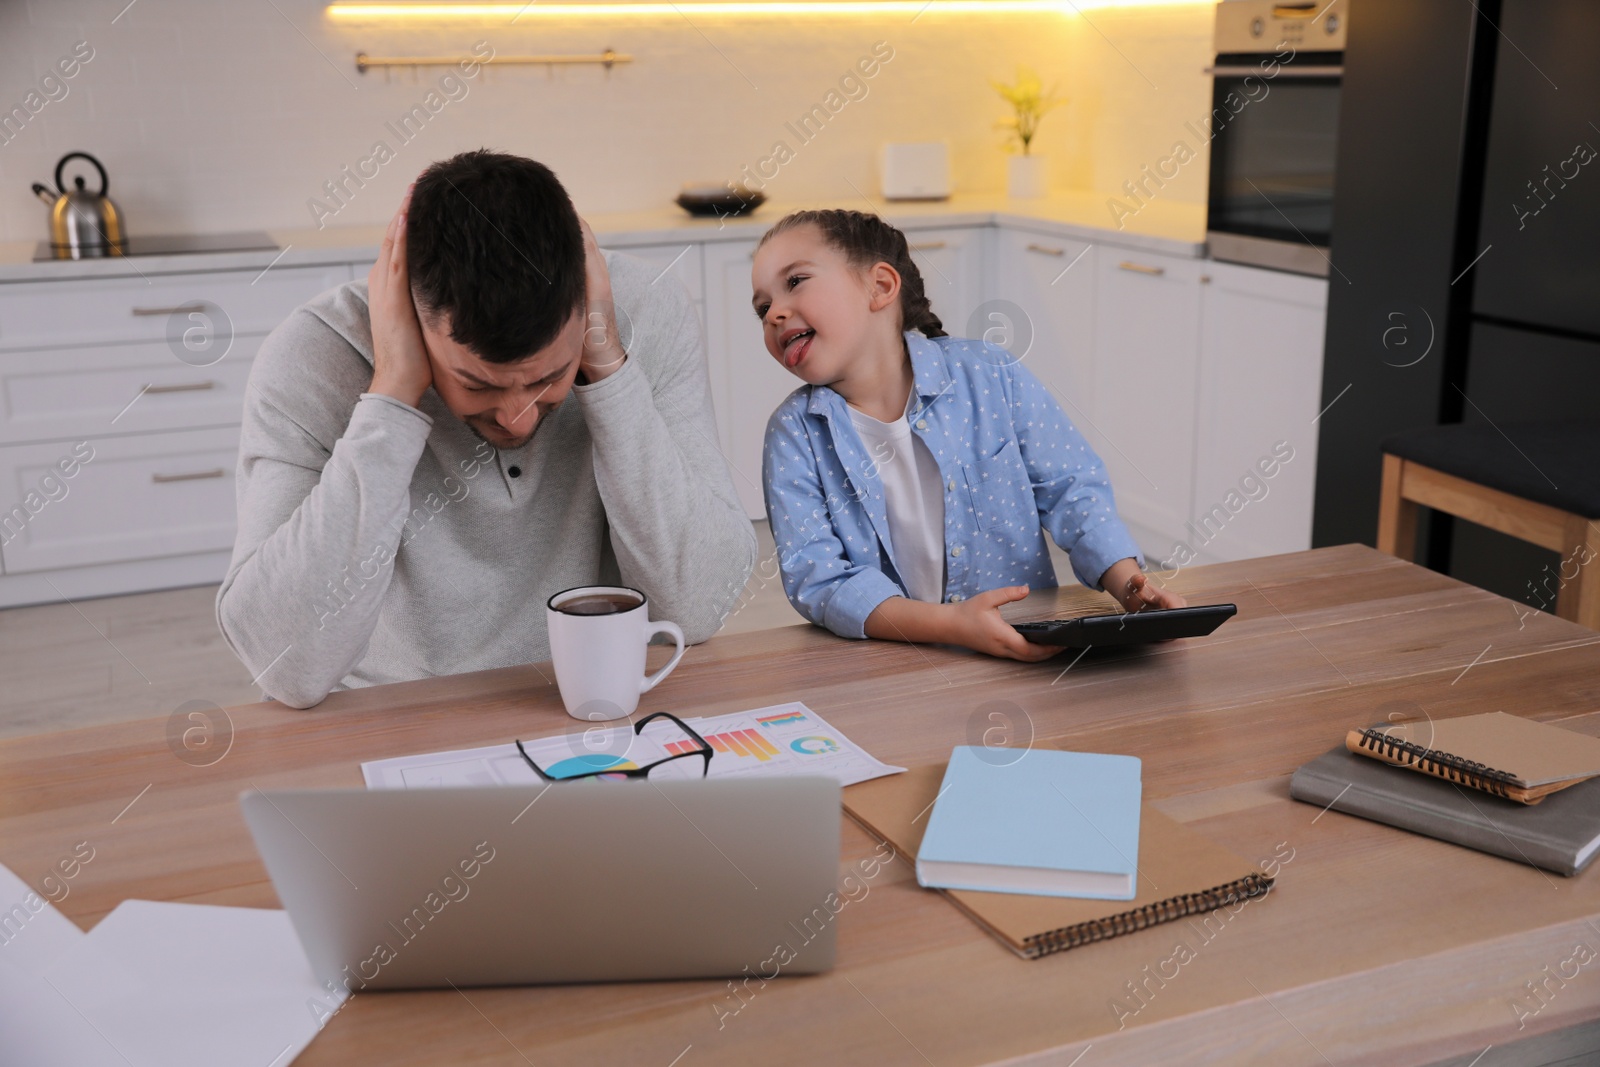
point(105, 183)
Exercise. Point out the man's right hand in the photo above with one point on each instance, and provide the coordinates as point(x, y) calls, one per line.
point(400, 366)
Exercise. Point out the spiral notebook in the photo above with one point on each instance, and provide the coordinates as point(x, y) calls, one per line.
point(1562, 834)
point(1180, 873)
point(1506, 755)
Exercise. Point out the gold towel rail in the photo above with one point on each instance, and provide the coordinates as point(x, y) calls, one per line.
point(607, 59)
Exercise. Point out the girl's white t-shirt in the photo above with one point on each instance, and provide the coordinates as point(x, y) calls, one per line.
point(914, 498)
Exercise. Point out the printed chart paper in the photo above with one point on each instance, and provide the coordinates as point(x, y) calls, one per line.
point(786, 739)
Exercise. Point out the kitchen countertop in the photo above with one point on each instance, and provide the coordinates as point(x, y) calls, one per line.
point(1175, 229)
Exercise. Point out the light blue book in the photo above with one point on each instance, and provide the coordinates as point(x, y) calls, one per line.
point(1047, 823)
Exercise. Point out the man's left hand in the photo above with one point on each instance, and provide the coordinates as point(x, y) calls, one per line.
point(603, 354)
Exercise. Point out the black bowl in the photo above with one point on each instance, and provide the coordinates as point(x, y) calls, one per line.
point(724, 202)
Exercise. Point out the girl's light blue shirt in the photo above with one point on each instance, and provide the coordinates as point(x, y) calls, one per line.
point(1012, 465)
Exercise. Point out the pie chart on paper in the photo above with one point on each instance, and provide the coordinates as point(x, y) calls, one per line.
point(576, 765)
point(814, 746)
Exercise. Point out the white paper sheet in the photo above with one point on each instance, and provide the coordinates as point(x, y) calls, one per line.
point(785, 739)
point(164, 984)
point(33, 934)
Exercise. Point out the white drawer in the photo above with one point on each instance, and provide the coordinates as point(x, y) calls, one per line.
point(101, 310)
point(73, 393)
point(682, 259)
point(142, 497)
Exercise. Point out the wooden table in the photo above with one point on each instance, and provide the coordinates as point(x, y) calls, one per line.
point(1376, 946)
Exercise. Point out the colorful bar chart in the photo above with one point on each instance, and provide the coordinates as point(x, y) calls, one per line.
point(788, 718)
point(734, 742)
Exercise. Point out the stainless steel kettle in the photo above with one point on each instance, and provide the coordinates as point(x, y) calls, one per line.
point(83, 225)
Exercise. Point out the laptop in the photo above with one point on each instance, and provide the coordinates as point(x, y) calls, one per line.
point(573, 882)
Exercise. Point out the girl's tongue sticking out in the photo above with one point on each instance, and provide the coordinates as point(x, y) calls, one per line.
point(796, 343)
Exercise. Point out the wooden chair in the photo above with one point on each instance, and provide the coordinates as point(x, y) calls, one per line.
point(1536, 481)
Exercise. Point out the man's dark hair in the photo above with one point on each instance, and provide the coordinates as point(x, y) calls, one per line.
point(493, 241)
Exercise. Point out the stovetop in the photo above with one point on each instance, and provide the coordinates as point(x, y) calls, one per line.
point(171, 245)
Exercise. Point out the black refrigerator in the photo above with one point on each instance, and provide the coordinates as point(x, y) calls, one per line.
point(1467, 221)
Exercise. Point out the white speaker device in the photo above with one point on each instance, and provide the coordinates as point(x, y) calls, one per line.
point(917, 170)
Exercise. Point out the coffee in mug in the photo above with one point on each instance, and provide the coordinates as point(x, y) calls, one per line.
point(598, 635)
point(600, 603)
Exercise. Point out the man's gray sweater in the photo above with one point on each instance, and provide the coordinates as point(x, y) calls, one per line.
point(379, 543)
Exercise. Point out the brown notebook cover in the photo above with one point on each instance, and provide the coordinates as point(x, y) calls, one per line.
point(1180, 873)
point(1506, 755)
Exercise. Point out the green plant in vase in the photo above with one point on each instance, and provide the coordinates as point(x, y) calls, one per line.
point(1026, 176)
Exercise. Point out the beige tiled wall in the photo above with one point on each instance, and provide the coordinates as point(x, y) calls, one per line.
point(228, 115)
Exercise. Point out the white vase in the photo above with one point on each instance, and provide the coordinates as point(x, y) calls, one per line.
point(1025, 177)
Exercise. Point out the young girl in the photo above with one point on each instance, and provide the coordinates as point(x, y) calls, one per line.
point(911, 481)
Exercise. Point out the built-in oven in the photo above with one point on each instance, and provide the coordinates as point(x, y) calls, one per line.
point(1273, 127)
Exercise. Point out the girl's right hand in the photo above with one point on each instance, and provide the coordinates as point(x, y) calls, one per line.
point(978, 625)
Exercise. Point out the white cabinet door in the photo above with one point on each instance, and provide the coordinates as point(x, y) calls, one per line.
point(1043, 314)
point(1146, 326)
point(127, 498)
point(951, 264)
point(71, 393)
point(747, 384)
point(682, 260)
point(1260, 387)
point(183, 309)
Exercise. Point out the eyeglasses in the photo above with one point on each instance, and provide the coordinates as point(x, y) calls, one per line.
point(680, 749)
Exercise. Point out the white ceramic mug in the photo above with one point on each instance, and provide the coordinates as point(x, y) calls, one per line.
point(599, 658)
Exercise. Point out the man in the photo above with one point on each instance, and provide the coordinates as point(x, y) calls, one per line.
point(426, 458)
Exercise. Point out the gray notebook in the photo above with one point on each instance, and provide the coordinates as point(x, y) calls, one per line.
point(1561, 833)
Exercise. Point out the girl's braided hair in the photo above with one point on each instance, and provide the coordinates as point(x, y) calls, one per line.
point(866, 239)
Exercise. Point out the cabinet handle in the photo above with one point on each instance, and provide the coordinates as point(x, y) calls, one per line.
point(927, 246)
point(1045, 250)
point(181, 309)
point(215, 472)
point(1140, 268)
point(187, 387)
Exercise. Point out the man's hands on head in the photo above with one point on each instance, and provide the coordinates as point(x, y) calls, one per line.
point(603, 354)
point(400, 365)
point(1134, 590)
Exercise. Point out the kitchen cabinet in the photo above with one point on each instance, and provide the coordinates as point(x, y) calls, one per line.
point(951, 262)
point(98, 389)
point(747, 383)
point(681, 259)
point(1147, 312)
point(131, 497)
point(1043, 313)
point(146, 375)
point(1260, 388)
point(162, 307)
point(1207, 376)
